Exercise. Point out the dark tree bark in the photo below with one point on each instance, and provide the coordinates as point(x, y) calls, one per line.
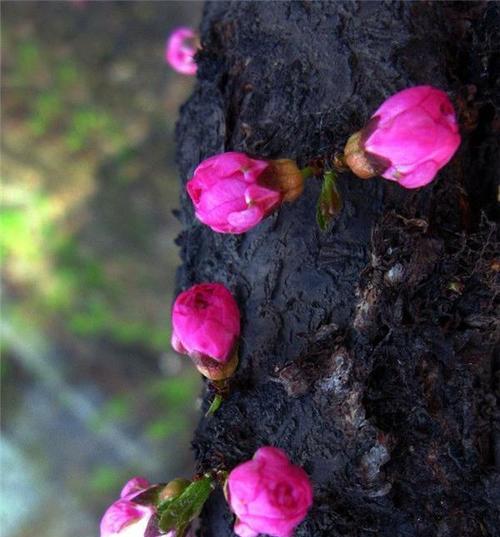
point(368, 350)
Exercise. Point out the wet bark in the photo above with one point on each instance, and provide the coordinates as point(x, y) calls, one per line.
point(367, 350)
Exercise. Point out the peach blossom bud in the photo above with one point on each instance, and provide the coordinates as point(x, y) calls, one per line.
point(233, 192)
point(206, 327)
point(181, 49)
point(408, 139)
point(125, 517)
point(268, 494)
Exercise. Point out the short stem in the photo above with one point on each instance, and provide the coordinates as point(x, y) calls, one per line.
point(216, 403)
point(221, 476)
point(339, 163)
point(307, 172)
point(221, 387)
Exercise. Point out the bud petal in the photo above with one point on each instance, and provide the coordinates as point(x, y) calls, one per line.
point(134, 486)
point(243, 530)
point(180, 50)
point(177, 344)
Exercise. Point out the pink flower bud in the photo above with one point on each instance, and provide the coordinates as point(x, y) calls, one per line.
point(227, 193)
point(180, 50)
point(206, 326)
point(408, 139)
point(268, 494)
point(125, 517)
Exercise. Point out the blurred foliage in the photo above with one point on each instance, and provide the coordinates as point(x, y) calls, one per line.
point(43, 197)
point(171, 395)
point(103, 478)
point(92, 393)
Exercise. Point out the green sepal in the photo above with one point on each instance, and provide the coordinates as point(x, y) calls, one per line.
point(163, 505)
point(178, 513)
point(214, 405)
point(330, 201)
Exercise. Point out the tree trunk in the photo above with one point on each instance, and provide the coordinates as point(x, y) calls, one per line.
point(367, 351)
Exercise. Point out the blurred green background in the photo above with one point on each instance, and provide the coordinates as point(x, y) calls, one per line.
point(91, 392)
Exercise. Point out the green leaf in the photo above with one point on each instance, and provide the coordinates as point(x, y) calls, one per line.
point(330, 201)
point(181, 511)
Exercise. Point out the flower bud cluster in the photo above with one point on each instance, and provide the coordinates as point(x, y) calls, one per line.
point(408, 139)
point(268, 494)
point(135, 513)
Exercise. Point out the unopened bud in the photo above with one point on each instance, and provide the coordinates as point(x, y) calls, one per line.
point(206, 323)
point(268, 494)
point(409, 138)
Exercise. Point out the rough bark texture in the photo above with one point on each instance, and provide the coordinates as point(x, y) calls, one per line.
point(368, 350)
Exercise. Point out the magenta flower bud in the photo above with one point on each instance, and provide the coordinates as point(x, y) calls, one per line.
point(206, 326)
point(125, 517)
point(268, 494)
point(228, 194)
point(408, 139)
point(180, 50)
